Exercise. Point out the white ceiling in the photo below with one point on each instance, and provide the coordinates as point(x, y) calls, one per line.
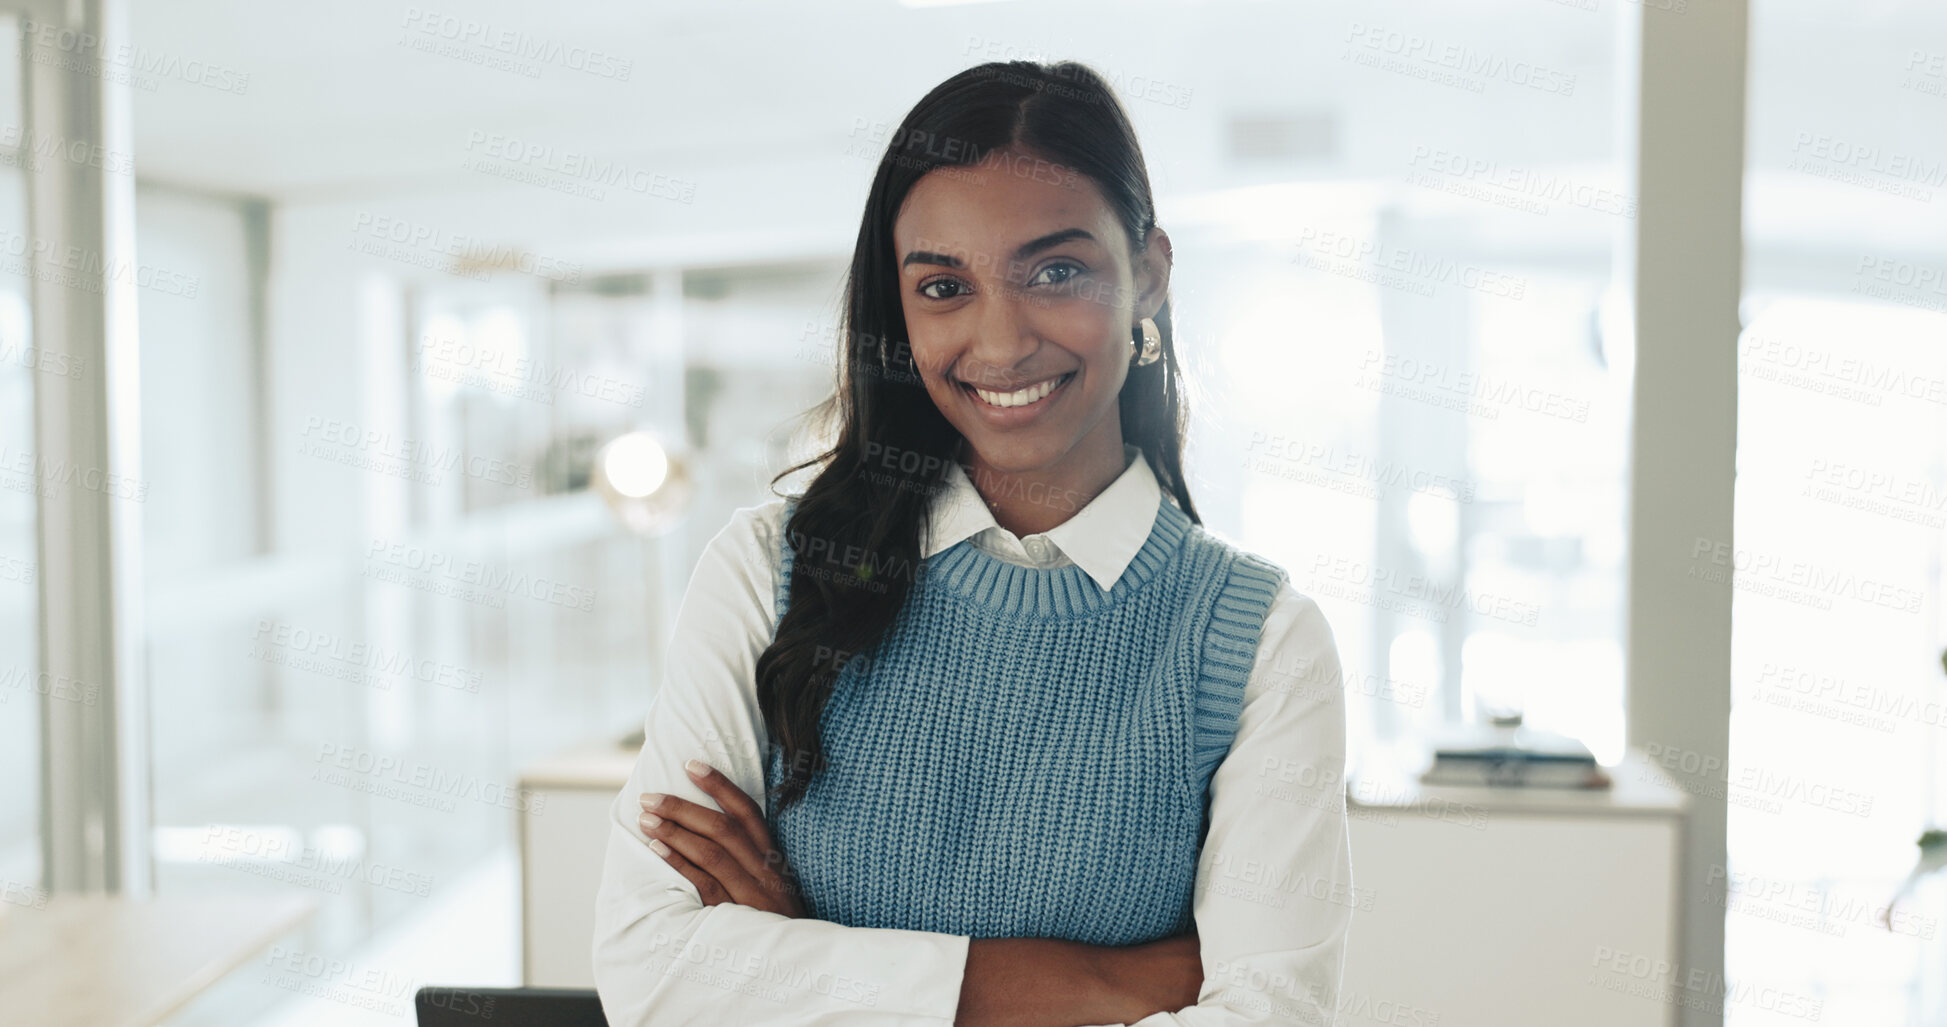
point(756, 100)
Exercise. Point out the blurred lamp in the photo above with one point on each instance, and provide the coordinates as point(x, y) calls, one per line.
point(645, 483)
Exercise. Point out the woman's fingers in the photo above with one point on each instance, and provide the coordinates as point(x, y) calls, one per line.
point(732, 844)
point(732, 800)
point(705, 840)
point(708, 890)
point(771, 873)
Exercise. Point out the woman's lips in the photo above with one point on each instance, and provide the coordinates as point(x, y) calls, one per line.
point(1001, 415)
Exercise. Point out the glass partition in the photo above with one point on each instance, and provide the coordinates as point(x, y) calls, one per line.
point(1838, 689)
point(22, 688)
point(380, 583)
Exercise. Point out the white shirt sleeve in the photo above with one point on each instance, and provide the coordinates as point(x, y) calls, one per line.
point(1274, 890)
point(662, 957)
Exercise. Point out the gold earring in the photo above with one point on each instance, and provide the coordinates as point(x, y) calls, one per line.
point(1152, 344)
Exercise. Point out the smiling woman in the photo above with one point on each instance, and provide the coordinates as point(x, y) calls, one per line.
point(978, 728)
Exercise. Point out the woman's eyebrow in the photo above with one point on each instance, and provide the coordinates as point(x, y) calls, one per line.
point(1024, 251)
point(1030, 248)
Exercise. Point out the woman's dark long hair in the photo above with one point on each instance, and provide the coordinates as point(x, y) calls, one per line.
point(865, 511)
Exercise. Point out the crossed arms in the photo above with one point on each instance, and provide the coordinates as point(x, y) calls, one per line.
point(1272, 907)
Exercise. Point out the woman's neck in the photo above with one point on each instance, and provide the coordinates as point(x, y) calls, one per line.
point(1031, 502)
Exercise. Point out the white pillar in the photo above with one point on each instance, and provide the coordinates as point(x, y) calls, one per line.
point(1682, 271)
point(87, 439)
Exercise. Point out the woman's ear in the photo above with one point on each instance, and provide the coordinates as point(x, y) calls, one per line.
point(1152, 274)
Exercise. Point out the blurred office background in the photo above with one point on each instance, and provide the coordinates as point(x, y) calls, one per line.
point(1397, 291)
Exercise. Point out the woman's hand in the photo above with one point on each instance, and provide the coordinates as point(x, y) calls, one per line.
point(727, 854)
point(1047, 981)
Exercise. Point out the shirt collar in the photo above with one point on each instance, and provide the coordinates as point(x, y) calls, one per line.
point(1101, 538)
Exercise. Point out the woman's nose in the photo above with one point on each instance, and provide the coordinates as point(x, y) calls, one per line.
point(1003, 338)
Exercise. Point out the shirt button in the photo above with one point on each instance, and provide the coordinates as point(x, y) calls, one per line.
point(1038, 548)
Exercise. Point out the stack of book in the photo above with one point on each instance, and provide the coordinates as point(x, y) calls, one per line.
point(1509, 755)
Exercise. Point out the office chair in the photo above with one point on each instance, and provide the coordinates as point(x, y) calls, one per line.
point(508, 1007)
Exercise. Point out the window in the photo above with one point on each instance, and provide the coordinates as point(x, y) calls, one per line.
point(1839, 699)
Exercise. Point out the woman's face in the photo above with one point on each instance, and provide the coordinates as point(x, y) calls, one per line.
point(1021, 295)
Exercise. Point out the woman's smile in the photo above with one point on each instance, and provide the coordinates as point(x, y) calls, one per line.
point(1012, 409)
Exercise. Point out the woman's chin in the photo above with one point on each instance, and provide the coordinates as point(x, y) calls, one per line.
point(1015, 453)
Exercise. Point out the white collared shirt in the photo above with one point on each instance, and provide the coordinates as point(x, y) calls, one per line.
point(1274, 889)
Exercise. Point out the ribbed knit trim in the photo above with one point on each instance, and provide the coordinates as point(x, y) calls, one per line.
point(1230, 643)
point(965, 571)
point(1229, 653)
point(784, 562)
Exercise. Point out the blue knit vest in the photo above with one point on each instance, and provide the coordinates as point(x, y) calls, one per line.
point(1026, 755)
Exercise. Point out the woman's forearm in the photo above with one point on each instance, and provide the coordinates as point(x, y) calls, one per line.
point(1048, 982)
point(1033, 982)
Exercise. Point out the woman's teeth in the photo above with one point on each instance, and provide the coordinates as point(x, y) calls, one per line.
point(1021, 397)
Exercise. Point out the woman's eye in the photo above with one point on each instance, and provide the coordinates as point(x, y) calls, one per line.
point(1069, 271)
point(953, 287)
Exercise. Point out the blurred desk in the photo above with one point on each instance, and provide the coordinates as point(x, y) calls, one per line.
point(102, 961)
point(562, 850)
point(1490, 906)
